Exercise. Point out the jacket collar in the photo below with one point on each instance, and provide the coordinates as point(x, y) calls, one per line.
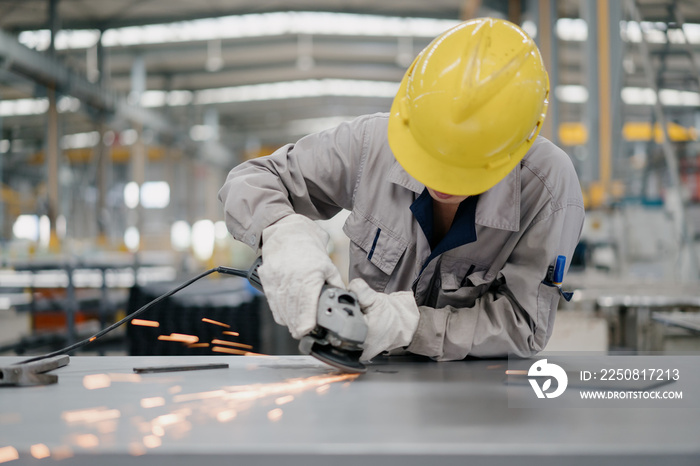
point(398, 175)
point(499, 207)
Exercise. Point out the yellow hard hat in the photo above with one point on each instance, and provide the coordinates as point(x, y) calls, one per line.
point(469, 107)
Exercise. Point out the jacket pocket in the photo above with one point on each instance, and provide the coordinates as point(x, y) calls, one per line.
point(547, 302)
point(456, 273)
point(461, 291)
point(374, 250)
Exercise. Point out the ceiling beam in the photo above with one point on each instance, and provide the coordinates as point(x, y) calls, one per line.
point(51, 73)
point(416, 9)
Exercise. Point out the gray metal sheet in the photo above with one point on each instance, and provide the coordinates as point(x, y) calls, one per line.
point(296, 410)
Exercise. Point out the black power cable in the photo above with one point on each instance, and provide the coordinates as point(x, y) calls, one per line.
point(251, 275)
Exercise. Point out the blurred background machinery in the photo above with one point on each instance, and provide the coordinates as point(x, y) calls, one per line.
point(119, 121)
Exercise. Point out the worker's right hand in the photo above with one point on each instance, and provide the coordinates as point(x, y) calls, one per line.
point(295, 267)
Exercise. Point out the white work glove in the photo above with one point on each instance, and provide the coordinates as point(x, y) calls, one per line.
point(295, 267)
point(392, 319)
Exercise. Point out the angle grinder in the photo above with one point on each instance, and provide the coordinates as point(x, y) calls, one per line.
point(340, 327)
point(336, 340)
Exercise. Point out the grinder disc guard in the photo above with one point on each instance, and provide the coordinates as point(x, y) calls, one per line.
point(346, 361)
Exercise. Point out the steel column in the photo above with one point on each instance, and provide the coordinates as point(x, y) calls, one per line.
point(547, 42)
point(616, 48)
point(590, 168)
point(2, 187)
point(604, 95)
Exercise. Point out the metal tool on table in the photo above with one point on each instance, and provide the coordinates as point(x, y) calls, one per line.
point(340, 327)
point(32, 373)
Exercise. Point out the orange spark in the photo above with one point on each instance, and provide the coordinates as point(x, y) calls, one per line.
point(180, 337)
point(225, 416)
point(234, 334)
point(221, 349)
point(167, 419)
point(231, 343)
point(145, 323)
point(87, 441)
point(93, 339)
point(95, 381)
point(40, 451)
point(152, 441)
point(136, 449)
point(275, 414)
point(61, 453)
point(323, 389)
point(209, 321)
point(8, 454)
point(198, 345)
point(152, 402)
point(175, 389)
point(283, 400)
point(90, 415)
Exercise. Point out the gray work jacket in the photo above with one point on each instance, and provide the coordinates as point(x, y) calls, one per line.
point(485, 297)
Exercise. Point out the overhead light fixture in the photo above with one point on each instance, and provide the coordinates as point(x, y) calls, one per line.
point(297, 89)
point(571, 94)
point(530, 28)
point(80, 140)
point(180, 235)
point(202, 133)
point(132, 239)
point(572, 29)
point(131, 194)
point(203, 238)
point(679, 98)
point(242, 26)
point(44, 231)
point(128, 137)
point(26, 227)
point(638, 96)
point(313, 23)
point(155, 194)
point(247, 93)
point(23, 107)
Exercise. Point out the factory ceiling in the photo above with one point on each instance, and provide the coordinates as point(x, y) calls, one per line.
point(261, 73)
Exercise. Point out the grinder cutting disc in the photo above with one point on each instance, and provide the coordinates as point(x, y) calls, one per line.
point(343, 360)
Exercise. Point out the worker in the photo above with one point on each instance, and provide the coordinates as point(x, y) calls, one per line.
point(458, 208)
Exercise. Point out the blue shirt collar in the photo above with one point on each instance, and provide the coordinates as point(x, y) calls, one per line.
point(462, 231)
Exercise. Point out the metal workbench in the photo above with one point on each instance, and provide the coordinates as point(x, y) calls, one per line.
point(294, 410)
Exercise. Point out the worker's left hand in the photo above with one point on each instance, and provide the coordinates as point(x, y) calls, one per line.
point(392, 318)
